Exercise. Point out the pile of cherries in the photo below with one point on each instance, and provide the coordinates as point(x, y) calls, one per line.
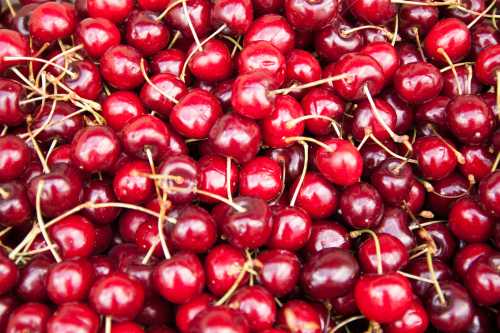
point(249, 166)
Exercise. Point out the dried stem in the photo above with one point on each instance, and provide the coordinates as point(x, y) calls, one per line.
point(41, 223)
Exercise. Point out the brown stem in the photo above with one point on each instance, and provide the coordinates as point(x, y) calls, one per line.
point(453, 69)
point(311, 84)
point(41, 223)
point(302, 174)
point(305, 138)
point(357, 233)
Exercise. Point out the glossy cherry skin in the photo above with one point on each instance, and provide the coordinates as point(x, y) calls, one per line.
point(422, 18)
point(100, 192)
point(251, 94)
point(468, 255)
point(365, 121)
point(15, 207)
point(222, 265)
point(154, 99)
point(7, 305)
point(489, 192)
point(126, 327)
point(97, 35)
point(263, 56)
point(51, 21)
point(291, 228)
point(373, 155)
point(483, 280)
point(395, 222)
point(272, 28)
point(446, 191)
point(213, 63)
point(73, 317)
point(469, 222)
point(383, 297)
point(405, 116)
point(331, 42)
point(415, 320)
point(321, 101)
point(237, 15)
point(195, 114)
point(120, 67)
point(251, 228)
point(361, 206)
point(435, 159)
point(180, 278)
point(75, 236)
point(212, 176)
point(470, 119)
point(129, 186)
point(488, 63)
point(316, 196)
point(279, 271)
point(451, 35)
point(393, 180)
point(144, 133)
point(300, 317)
point(235, 136)
point(257, 305)
point(195, 230)
point(199, 13)
point(302, 67)
point(330, 273)
point(13, 44)
point(32, 280)
point(458, 311)
point(184, 167)
point(169, 61)
point(9, 274)
point(386, 56)
point(14, 157)
point(261, 178)
point(87, 82)
point(117, 295)
point(278, 126)
point(393, 252)
point(433, 113)
point(452, 85)
point(63, 128)
point(342, 165)
point(364, 70)
point(219, 318)
point(145, 33)
point(376, 12)
point(327, 234)
point(418, 82)
point(478, 161)
point(11, 93)
point(115, 11)
point(69, 281)
point(188, 311)
point(29, 317)
point(309, 16)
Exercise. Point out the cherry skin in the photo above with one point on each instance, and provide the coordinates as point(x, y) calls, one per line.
point(393, 179)
point(211, 64)
point(129, 186)
point(376, 12)
point(395, 222)
point(364, 120)
point(446, 191)
point(9, 274)
point(291, 228)
point(310, 16)
point(272, 28)
point(452, 36)
point(14, 157)
point(469, 222)
point(146, 236)
point(321, 101)
point(374, 155)
point(405, 116)
point(235, 136)
point(260, 178)
point(115, 11)
point(330, 273)
point(483, 36)
point(297, 314)
point(186, 169)
point(29, 317)
point(386, 56)
point(383, 298)
point(51, 21)
point(489, 193)
point(212, 176)
point(188, 311)
point(169, 61)
point(422, 18)
point(11, 93)
point(126, 327)
point(237, 15)
point(291, 158)
point(69, 281)
point(325, 235)
point(302, 67)
point(433, 113)
point(478, 161)
point(144, 133)
point(483, 280)
point(263, 56)
point(278, 126)
point(145, 33)
point(332, 42)
point(468, 255)
point(120, 67)
point(221, 318)
point(415, 320)
point(31, 285)
point(73, 317)
point(445, 243)
point(463, 81)
point(488, 64)
point(257, 305)
point(251, 94)
point(15, 207)
point(456, 314)
point(97, 35)
point(7, 305)
point(87, 83)
point(195, 230)
point(180, 278)
point(418, 82)
point(75, 236)
point(361, 206)
point(435, 159)
point(13, 44)
point(393, 253)
point(100, 192)
point(152, 97)
point(279, 271)
point(64, 127)
point(195, 114)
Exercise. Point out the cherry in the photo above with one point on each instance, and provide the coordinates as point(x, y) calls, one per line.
point(145, 133)
point(69, 281)
point(470, 119)
point(327, 234)
point(291, 228)
point(237, 15)
point(393, 179)
point(364, 120)
point(386, 56)
point(417, 20)
point(14, 157)
point(117, 295)
point(153, 93)
point(130, 221)
point(51, 21)
point(260, 178)
point(87, 83)
point(446, 191)
point(377, 12)
point(168, 61)
point(188, 311)
point(221, 318)
point(121, 67)
point(280, 124)
point(272, 28)
point(60, 154)
point(61, 126)
point(262, 56)
point(433, 113)
point(489, 193)
point(332, 42)
point(483, 36)
point(414, 320)
point(483, 280)
point(444, 241)
point(115, 11)
point(279, 271)
point(456, 313)
point(395, 222)
point(361, 206)
point(146, 237)
point(267, 6)
point(487, 65)
point(302, 67)
point(235, 136)
point(469, 222)
point(7, 306)
point(393, 254)
point(75, 236)
point(322, 102)
point(126, 327)
point(468, 255)
point(186, 169)
point(448, 38)
point(104, 237)
point(383, 298)
point(373, 155)
point(257, 305)
point(180, 278)
point(97, 35)
point(478, 161)
point(145, 33)
point(13, 44)
point(296, 315)
point(212, 176)
point(31, 285)
point(9, 274)
point(195, 114)
point(29, 317)
point(404, 113)
point(195, 230)
point(465, 81)
point(212, 63)
point(436, 159)
point(251, 95)
point(100, 192)
point(310, 16)
point(418, 82)
point(11, 94)
point(291, 158)
point(129, 185)
point(73, 317)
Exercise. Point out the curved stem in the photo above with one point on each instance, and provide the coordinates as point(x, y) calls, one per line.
point(414, 277)
point(150, 252)
point(38, 151)
point(465, 63)
point(295, 121)
point(469, 79)
point(228, 179)
point(495, 164)
point(345, 322)
point(302, 174)
point(346, 32)
point(149, 155)
point(41, 223)
point(54, 58)
point(155, 87)
point(11, 8)
point(434, 278)
point(235, 285)
point(453, 69)
point(61, 68)
point(329, 79)
point(190, 24)
point(357, 233)
point(4, 194)
point(169, 8)
point(390, 152)
point(419, 43)
point(305, 138)
point(483, 13)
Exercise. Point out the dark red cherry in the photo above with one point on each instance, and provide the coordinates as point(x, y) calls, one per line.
point(469, 222)
point(302, 67)
point(489, 193)
point(299, 316)
point(13, 44)
point(219, 318)
point(70, 281)
point(468, 255)
point(97, 35)
point(61, 125)
point(483, 36)
point(186, 169)
point(145, 133)
point(237, 15)
point(445, 243)
point(51, 21)
point(272, 28)
point(199, 13)
point(31, 285)
point(323, 102)
point(279, 271)
point(98, 191)
point(129, 185)
point(383, 298)
point(470, 119)
point(195, 230)
point(262, 56)
point(117, 295)
point(417, 19)
point(251, 95)
point(291, 157)
point(195, 114)
point(330, 273)
point(404, 113)
point(7, 305)
point(393, 179)
point(478, 161)
point(418, 82)
point(436, 159)
point(291, 228)
point(87, 81)
point(483, 280)
point(433, 113)
point(257, 305)
point(223, 92)
point(420, 268)
point(395, 222)
point(386, 56)
point(279, 125)
point(212, 176)
point(310, 16)
point(146, 237)
point(29, 317)
point(235, 136)
point(14, 157)
point(73, 317)
point(146, 33)
point(180, 278)
point(12, 93)
point(325, 235)
point(260, 178)
point(121, 67)
point(9, 274)
point(488, 65)
point(414, 320)
point(15, 207)
point(456, 313)
point(446, 191)
point(113, 10)
point(267, 6)
point(60, 154)
point(223, 264)
point(465, 82)
point(163, 93)
point(332, 41)
point(188, 311)
point(464, 15)
point(450, 35)
point(75, 236)
point(373, 12)
point(481, 322)
point(361, 206)
point(373, 155)
point(250, 228)
point(393, 253)
point(364, 120)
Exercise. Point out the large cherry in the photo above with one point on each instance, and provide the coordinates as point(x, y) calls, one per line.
point(483, 280)
point(272, 28)
point(70, 281)
point(51, 21)
point(73, 317)
point(308, 15)
point(97, 35)
point(121, 67)
point(418, 82)
point(29, 317)
point(332, 41)
point(145, 133)
point(279, 271)
point(115, 11)
point(75, 236)
point(296, 315)
point(219, 319)
point(415, 320)
point(489, 192)
point(251, 96)
point(261, 178)
point(291, 228)
point(129, 185)
point(212, 63)
point(393, 179)
point(13, 44)
point(257, 305)
point(435, 158)
point(361, 206)
point(469, 222)
point(323, 102)
point(449, 37)
point(14, 157)
point(12, 93)
point(393, 254)
point(146, 33)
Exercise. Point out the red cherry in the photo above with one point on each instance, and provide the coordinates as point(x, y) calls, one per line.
point(325, 235)
point(279, 271)
point(468, 255)
point(296, 315)
point(129, 185)
point(272, 28)
point(12, 44)
point(278, 126)
point(29, 317)
point(361, 206)
point(489, 193)
point(73, 317)
point(322, 102)
point(64, 127)
point(373, 12)
point(126, 327)
point(260, 178)
point(251, 94)
point(113, 10)
point(188, 311)
point(451, 36)
point(15, 207)
point(263, 56)
point(310, 16)
point(212, 176)
point(469, 222)
point(51, 21)
point(386, 56)
point(488, 64)
point(436, 159)
point(223, 264)
point(145, 33)
point(291, 228)
point(145, 133)
point(418, 82)
point(169, 61)
point(154, 99)
point(393, 179)
point(365, 121)
point(9, 274)
point(237, 15)
point(454, 85)
point(120, 67)
point(213, 63)
point(195, 230)
point(97, 35)
point(483, 280)
point(31, 285)
point(219, 318)
point(74, 235)
point(186, 169)
point(257, 305)
point(87, 83)
point(417, 19)
point(415, 320)
point(100, 192)
point(14, 157)
point(443, 238)
point(11, 93)
point(395, 222)
point(478, 161)
point(69, 281)
point(393, 254)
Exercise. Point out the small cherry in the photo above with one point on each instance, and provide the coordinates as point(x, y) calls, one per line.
point(70, 281)
point(75, 236)
point(321, 102)
point(195, 230)
point(436, 157)
point(483, 280)
point(129, 185)
point(332, 41)
point(272, 28)
point(223, 264)
point(212, 63)
point(449, 40)
point(468, 255)
point(29, 317)
point(97, 35)
point(115, 11)
point(120, 66)
point(281, 123)
point(52, 21)
point(261, 178)
point(257, 305)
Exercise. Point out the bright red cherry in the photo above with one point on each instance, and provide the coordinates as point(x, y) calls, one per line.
point(436, 159)
point(52, 21)
point(169, 61)
point(15, 207)
point(121, 67)
point(9, 274)
point(279, 125)
point(100, 192)
point(129, 185)
point(237, 15)
point(29, 317)
point(448, 36)
point(257, 305)
point(296, 315)
point(489, 193)
point(145, 33)
point(12, 44)
point(263, 56)
point(272, 28)
point(219, 319)
point(97, 35)
point(364, 120)
point(488, 65)
point(478, 161)
point(70, 281)
point(75, 236)
point(393, 253)
point(14, 157)
point(212, 176)
point(483, 280)
point(73, 317)
point(386, 56)
point(361, 206)
point(469, 222)
point(279, 271)
point(64, 126)
point(195, 230)
point(167, 91)
point(186, 169)
point(146, 133)
point(188, 311)
point(251, 95)
point(327, 234)
point(415, 320)
point(113, 10)
point(468, 255)
point(393, 179)
point(373, 12)
point(261, 178)
point(291, 228)
point(418, 82)
point(310, 16)
point(322, 102)
point(11, 94)
point(212, 63)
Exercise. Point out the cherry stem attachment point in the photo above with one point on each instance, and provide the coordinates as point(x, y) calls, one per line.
point(329, 79)
point(41, 223)
point(305, 138)
point(155, 87)
point(357, 233)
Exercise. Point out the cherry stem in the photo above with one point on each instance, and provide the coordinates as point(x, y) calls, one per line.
point(34, 252)
point(495, 164)
point(161, 218)
point(419, 43)
point(414, 277)
point(396, 30)
point(430, 4)
point(346, 322)
point(459, 156)
point(11, 8)
point(155, 87)
point(4, 195)
point(434, 278)
point(234, 42)
point(35, 99)
point(177, 179)
point(235, 48)
point(54, 58)
point(453, 69)
point(5, 231)
point(169, 8)
point(390, 152)
point(346, 32)
point(426, 224)
point(470, 11)
point(295, 121)
point(150, 252)
point(38, 151)
point(210, 195)
point(469, 79)
point(174, 39)
point(249, 259)
point(53, 145)
point(63, 69)
point(357, 233)
point(465, 63)
point(426, 214)
point(494, 18)
point(149, 155)
point(190, 24)
point(329, 79)
point(365, 138)
point(4, 130)
point(305, 138)
point(247, 265)
point(302, 174)
point(107, 324)
point(483, 13)
point(228, 179)
point(41, 223)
